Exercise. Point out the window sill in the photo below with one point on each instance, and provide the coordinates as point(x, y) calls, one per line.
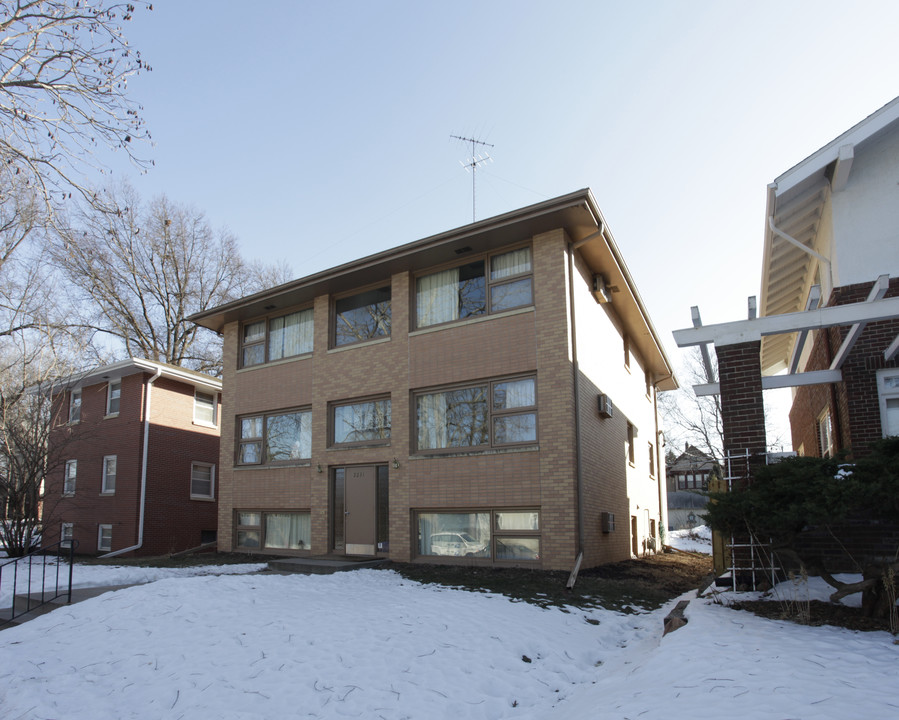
point(360, 446)
point(211, 426)
point(273, 363)
point(68, 495)
point(361, 343)
point(107, 416)
point(471, 321)
point(469, 453)
point(202, 498)
point(108, 493)
point(272, 466)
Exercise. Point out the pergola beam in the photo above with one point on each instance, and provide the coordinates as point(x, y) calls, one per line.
point(741, 331)
point(881, 285)
point(772, 382)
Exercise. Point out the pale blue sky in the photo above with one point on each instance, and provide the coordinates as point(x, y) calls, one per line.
point(319, 132)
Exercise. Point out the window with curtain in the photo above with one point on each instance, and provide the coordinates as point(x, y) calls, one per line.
point(278, 338)
point(290, 335)
point(205, 407)
point(109, 473)
point(202, 480)
point(283, 530)
point(287, 531)
point(500, 535)
point(462, 292)
point(113, 397)
point(496, 413)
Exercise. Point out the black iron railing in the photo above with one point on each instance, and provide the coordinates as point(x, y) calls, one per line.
point(37, 578)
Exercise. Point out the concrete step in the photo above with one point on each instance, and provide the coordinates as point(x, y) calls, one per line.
point(323, 565)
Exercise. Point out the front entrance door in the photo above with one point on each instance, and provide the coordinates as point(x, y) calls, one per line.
point(360, 510)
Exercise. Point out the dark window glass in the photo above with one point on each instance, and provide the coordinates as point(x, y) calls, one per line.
point(365, 316)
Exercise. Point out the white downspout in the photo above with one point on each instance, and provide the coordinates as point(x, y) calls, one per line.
point(143, 473)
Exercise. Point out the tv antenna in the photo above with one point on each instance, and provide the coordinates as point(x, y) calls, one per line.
point(472, 163)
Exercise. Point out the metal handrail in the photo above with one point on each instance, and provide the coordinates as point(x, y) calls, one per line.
point(64, 549)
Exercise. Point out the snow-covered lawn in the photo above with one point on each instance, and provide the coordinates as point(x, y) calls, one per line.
point(371, 644)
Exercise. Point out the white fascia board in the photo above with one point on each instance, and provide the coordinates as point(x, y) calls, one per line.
point(752, 330)
point(860, 132)
point(773, 382)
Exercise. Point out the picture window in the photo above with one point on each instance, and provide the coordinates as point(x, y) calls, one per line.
point(361, 317)
point(500, 535)
point(361, 422)
point(274, 438)
point(274, 530)
point(462, 292)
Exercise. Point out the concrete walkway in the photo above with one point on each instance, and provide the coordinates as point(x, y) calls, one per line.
point(22, 603)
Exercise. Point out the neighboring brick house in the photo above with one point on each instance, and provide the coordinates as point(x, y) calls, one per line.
point(829, 309)
point(688, 476)
point(141, 447)
point(842, 204)
point(486, 394)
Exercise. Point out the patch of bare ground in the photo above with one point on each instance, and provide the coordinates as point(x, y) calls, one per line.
point(815, 613)
point(628, 586)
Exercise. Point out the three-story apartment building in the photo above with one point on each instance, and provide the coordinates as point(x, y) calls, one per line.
point(485, 395)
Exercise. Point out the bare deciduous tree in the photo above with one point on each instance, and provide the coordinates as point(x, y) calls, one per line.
point(141, 271)
point(29, 374)
point(690, 418)
point(64, 70)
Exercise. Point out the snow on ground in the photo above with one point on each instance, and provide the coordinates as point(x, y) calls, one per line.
point(699, 539)
point(371, 644)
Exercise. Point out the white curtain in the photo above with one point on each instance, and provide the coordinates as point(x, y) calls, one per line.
point(511, 263)
point(437, 298)
point(517, 393)
point(290, 335)
point(432, 421)
point(288, 531)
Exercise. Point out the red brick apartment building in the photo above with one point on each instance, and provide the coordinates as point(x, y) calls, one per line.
point(486, 395)
point(141, 444)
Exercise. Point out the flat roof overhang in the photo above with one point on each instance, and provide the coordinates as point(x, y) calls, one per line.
point(577, 213)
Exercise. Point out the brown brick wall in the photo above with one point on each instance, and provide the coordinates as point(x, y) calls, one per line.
point(172, 521)
point(531, 340)
point(742, 405)
point(853, 403)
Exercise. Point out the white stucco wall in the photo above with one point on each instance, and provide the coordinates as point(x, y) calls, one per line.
point(865, 215)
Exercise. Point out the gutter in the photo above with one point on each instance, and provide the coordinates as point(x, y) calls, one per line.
point(143, 473)
point(576, 383)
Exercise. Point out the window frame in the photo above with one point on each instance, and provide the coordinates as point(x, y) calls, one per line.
point(492, 414)
point(261, 529)
point(70, 478)
point(66, 538)
point(265, 340)
point(496, 533)
point(263, 438)
point(884, 395)
point(113, 397)
point(332, 422)
point(100, 546)
point(215, 401)
point(652, 460)
point(333, 315)
point(75, 402)
point(630, 442)
point(489, 283)
point(824, 431)
point(104, 483)
point(200, 496)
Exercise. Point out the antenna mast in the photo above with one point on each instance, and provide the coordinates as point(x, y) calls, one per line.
point(473, 163)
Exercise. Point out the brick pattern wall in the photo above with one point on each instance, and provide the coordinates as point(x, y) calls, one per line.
point(853, 403)
point(742, 405)
point(532, 340)
point(172, 520)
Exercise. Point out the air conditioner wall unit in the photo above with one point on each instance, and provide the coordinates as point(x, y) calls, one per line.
point(606, 409)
